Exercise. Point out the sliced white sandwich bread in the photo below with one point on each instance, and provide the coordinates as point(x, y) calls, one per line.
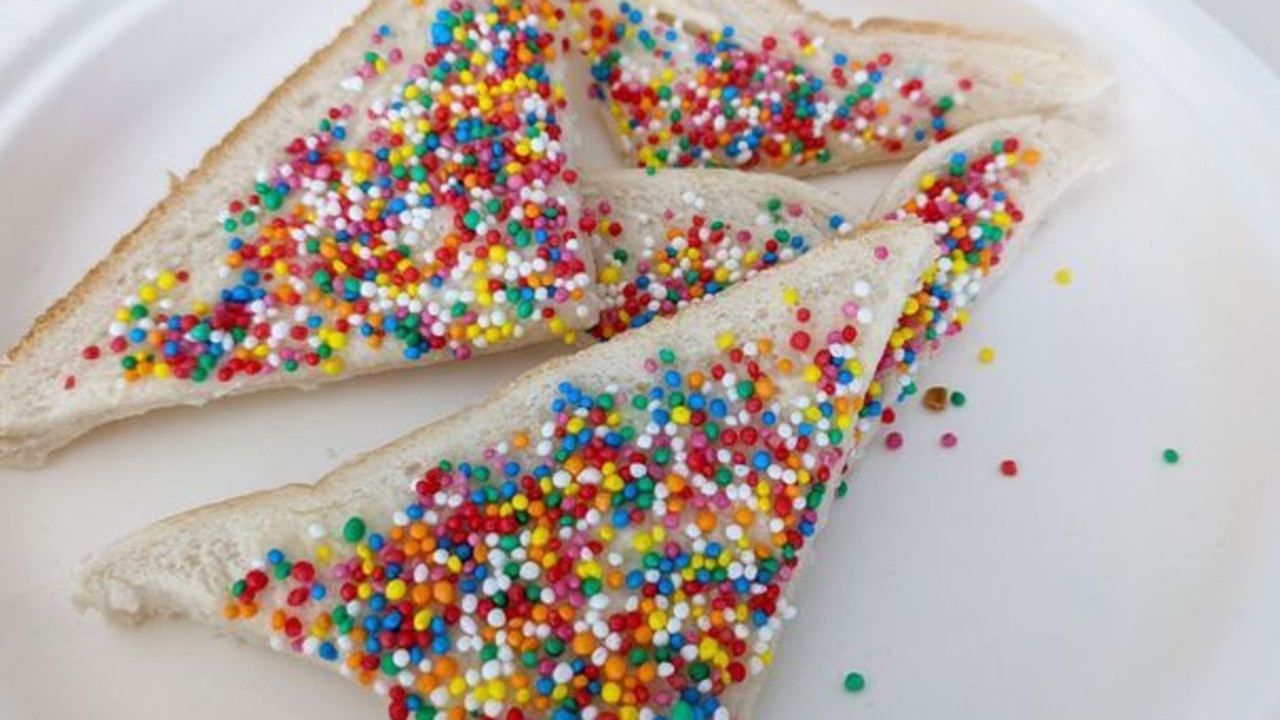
point(405, 198)
point(614, 535)
point(765, 84)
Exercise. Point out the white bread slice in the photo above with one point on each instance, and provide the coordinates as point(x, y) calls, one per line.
point(684, 47)
point(760, 506)
point(50, 392)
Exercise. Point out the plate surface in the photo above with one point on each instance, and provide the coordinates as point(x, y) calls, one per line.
point(1099, 584)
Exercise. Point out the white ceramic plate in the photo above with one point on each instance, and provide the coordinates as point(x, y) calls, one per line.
point(1098, 584)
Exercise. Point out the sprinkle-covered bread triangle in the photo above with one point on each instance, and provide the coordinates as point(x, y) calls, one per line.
point(613, 536)
point(764, 84)
point(406, 197)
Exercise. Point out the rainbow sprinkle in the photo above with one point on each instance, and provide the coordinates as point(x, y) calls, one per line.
point(625, 557)
point(681, 96)
point(433, 220)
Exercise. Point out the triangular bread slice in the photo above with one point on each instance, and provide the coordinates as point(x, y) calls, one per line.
point(765, 84)
point(614, 535)
point(406, 197)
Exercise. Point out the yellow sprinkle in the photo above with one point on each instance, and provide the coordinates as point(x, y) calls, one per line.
point(1062, 277)
point(166, 281)
point(610, 275)
point(791, 297)
point(396, 589)
point(725, 341)
point(422, 620)
point(611, 692)
point(658, 620)
point(332, 366)
point(986, 356)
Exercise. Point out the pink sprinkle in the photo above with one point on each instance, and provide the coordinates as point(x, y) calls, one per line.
point(882, 252)
point(893, 440)
point(850, 309)
point(949, 440)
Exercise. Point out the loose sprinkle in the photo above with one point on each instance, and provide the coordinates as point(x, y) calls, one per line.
point(949, 440)
point(1171, 456)
point(1009, 468)
point(958, 399)
point(855, 682)
point(986, 356)
point(1063, 277)
point(893, 440)
point(935, 399)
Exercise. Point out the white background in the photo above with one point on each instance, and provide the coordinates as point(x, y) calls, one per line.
point(1256, 22)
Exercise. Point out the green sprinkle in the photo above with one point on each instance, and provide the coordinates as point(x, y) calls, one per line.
point(353, 531)
point(842, 489)
point(958, 399)
point(1171, 456)
point(855, 682)
point(681, 711)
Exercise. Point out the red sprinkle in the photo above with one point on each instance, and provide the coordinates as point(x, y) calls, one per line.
point(1009, 468)
point(893, 440)
point(949, 440)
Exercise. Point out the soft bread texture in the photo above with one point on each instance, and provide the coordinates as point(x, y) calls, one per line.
point(1011, 75)
point(38, 414)
point(185, 565)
